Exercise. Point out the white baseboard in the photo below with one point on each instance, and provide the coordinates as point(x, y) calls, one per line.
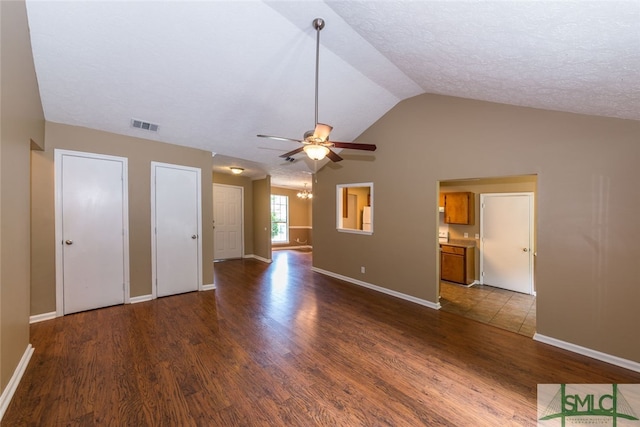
point(210, 287)
point(42, 317)
point(140, 298)
point(614, 360)
point(277, 248)
point(11, 387)
point(259, 258)
point(435, 306)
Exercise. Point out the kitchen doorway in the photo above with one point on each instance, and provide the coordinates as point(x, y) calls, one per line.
point(473, 299)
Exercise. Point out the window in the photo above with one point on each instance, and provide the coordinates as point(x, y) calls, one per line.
point(279, 219)
point(355, 208)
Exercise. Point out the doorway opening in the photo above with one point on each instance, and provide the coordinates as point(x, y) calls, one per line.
point(475, 293)
point(291, 220)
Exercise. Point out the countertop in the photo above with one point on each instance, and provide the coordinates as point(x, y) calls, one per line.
point(460, 243)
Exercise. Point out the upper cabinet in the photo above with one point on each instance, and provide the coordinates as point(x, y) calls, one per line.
point(459, 208)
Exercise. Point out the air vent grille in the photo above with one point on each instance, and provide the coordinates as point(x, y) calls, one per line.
point(141, 124)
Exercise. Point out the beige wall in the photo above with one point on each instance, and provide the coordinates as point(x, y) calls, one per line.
point(140, 154)
point(247, 202)
point(22, 119)
point(299, 216)
point(587, 208)
point(262, 218)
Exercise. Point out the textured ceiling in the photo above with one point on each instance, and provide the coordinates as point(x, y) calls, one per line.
point(213, 74)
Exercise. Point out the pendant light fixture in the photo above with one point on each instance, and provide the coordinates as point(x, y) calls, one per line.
point(305, 194)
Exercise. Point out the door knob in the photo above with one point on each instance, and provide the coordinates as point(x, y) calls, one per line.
point(525, 250)
point(194, 236)
point(69, 242)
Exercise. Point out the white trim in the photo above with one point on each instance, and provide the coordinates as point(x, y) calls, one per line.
point(210, 287)
point(12, 385)
point(198, 172)
point(435, 306)
point(42, 317)
point(58, 154)
point(614, 360)
point(296, 227)
point(354, 231)
point(276, 248)
point(140, 298)
point(339, 219)
point(259, 258)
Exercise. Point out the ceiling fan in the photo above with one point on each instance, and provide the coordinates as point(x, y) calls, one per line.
point(316, 142)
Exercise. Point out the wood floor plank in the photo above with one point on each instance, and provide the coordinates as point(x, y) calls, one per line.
point(275, 345)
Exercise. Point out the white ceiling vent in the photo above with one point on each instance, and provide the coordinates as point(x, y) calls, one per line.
point(140, 124)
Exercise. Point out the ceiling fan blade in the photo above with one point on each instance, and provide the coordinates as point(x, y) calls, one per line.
point(333, 156)
point(279, 138)
point(354, 146)
point(322, 131)
point(292, 153)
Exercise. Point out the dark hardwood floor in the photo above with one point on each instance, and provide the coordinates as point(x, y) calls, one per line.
point(280, 345)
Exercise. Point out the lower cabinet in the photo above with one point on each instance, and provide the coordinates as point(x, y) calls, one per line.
point(457, 264)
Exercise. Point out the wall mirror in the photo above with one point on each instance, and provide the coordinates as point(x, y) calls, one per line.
point(354, 204)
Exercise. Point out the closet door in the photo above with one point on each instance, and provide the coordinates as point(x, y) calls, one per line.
point(176, 223)
point(91, 231)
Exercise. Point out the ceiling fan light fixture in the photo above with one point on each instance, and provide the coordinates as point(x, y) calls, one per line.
point(322, 131)
point(316, 152)
point(236, 170)
point(316, 142)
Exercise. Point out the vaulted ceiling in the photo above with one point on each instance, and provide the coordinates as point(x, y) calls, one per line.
point(213, 74)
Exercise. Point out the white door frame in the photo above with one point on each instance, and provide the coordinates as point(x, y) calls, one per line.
point(531, 250)
point(154, 290)
point(58, 154)
point(242, 254)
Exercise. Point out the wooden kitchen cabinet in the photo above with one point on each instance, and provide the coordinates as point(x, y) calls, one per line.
point(457, 264)
point(459, 208)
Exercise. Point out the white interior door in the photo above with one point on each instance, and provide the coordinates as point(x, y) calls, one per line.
point(506, 246)
point(176, 222)
point(227, 221)
point(91, 231)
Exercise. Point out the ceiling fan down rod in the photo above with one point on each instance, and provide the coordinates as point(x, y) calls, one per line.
point(318, 24)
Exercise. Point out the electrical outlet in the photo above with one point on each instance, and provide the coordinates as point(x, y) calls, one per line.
point(477, 236)
point(362, 269)
point(466, 235)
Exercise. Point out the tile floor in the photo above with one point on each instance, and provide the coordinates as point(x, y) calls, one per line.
point(504, 309)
